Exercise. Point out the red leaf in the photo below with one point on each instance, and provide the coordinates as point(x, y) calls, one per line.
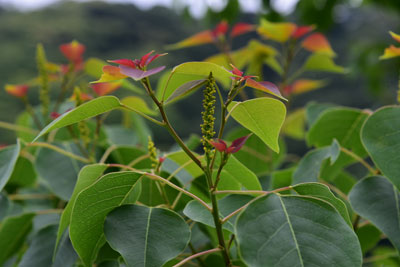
point(124, 62)
point(73, 51)
point(318, 43)
point(17, 90)
point(237, 144)
point(241, 28)
point(220, 145)
point(302, 30)
point(220, 29)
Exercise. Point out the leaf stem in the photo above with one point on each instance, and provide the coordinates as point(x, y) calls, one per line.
point(359, 159)
point(15, 127)
point(30, 196)
point(159, 178)
point(60, 150)
point(143, 115)
point(197, 255)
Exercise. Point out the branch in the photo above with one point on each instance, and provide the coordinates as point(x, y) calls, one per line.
point(197, 255)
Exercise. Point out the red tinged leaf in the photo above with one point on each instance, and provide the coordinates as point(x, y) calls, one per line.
point(143, 60)
point(220, 29)
point(137, 74)
point(151, 58)
point(318, 43)
point(390, 52)
point(111, 73)
point(220, 145)
point(241, 28)
point(265, 86)
point(395, 36)
point(237, 144)
point(302, 30)
point(54, 115)
point(19, 91)
point(124, 62)
point(105, 88)
point(73, 51)
point(204, 37)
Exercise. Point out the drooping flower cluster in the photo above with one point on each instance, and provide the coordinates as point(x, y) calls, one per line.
point(207, 128)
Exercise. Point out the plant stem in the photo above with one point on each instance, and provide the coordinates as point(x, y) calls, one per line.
point(30, 196)
point(159, 178)
point(194, 252)
point(30, 110)
point(15, 127)
point(107, 153)
point(197, 255)
point(64, 87)
point(60, 150)
point(359, 159)
point(168, 125)
point(41, 212)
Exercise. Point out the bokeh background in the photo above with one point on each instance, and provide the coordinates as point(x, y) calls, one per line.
point(357, 30)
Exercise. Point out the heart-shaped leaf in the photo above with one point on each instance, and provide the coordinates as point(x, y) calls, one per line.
point(377, 200)
point(146, 236)
point(91, 207)
point(295, 231)
point(381, 137)
point(262, 116)
point(87, 176)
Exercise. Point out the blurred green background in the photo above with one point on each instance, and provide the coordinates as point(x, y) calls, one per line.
point(357, 30)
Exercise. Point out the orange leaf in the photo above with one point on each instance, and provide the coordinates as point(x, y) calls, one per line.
point(73, 51)
point(318, 43)
point(279, 32)
point(241, 28)
point(17, 90)
point(204, 37)
point(110, 73)
point(302, 30)
point(390, 52)
point(395, 36)
point(105, 88)
point(304, 85)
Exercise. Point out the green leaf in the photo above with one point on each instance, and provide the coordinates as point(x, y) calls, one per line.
point(294, 125)
point(12, 234)
point(128, 155)
point(369, 237)
point(255, 154)
point(155, 235)
point(182, 166)
point(381, 138)
point(322, 62)
point(65, 255)
point(314, 111)
point(309, 166)
point(198, 213)
point(323, 192)
point(377, 200)
point(86, 177)
point(262, 116)
point(8, 160)
point(138, 104)
point(24, 174)
point(185, 89)
point(85, 111)
point(342, 124)
point(91, 207)
point(295, 231)
point(282, 178)
point(235, 171)
point(42, 243)
point(57, 170)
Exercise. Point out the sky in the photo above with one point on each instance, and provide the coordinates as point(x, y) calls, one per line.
point(196, 7)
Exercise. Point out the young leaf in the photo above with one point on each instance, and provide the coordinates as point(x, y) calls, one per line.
point(279, 32)
point(8, 160)
point(317, 43)
point(322, 62)
point(377, 200)
point(295, 231)
point(185, 89)
point(148, 236)
point(91, 207)
point(85, 111)
point(381, 137)
point(138, 104)
point(87, 176)
point(262, 116)
point(310, 165)
point(322, 192)
point(12, 234)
